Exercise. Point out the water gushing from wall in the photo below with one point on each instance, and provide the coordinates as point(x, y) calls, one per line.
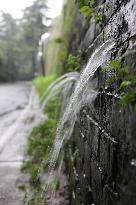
point(67, 121)
point(98, 58)
point(57, 86)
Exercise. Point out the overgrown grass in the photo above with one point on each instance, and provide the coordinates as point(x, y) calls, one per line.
point(41, 83)
point(38, 148)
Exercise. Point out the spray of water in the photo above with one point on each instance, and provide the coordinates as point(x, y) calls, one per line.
point(54, 89)
point(56, 82)
point(98, 58)
point(67, 121)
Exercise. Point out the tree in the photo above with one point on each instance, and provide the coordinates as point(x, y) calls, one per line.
point(19, 40)
point(33, 25)
point(8, 49)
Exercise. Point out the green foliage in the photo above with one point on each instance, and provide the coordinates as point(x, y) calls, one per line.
point(129, 98)
point(86, 11)
point(8, 48)
point(127, 82)
point(41, 140)
point(98, 17)
point(73, 62)
point(118, 72)
point(21, 187)
point(59, 40)
point(33, 27)
point(89, 10)
point(41, 83)
point(39, 146)
point(19, 42)
point(83, 3)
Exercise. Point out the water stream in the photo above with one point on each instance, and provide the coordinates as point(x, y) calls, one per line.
point(67, 121)
point(57, 86)
point(98, 58)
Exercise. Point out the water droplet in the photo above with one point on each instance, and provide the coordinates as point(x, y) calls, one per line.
point(84, 176)
point(73, 195)
point(133, 162)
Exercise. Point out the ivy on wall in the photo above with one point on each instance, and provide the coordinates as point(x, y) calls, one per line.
point(127, 82)
point(88, 9)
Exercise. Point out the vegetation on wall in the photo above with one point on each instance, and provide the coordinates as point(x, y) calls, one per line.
point(41, 83)
point(74, 62)
point(59, 44)
point(127, 82)
point(89, 10)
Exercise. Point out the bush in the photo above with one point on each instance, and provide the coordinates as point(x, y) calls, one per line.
point(39, 146)
point(41, 83)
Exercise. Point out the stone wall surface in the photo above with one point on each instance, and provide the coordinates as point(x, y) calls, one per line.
point(101, 156)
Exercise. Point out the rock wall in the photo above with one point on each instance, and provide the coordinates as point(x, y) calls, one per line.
point(101, 156)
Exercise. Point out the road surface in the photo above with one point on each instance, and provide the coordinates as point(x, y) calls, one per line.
point(19, 112)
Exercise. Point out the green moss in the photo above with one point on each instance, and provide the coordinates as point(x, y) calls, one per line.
point(67, 23)
point(59, 42)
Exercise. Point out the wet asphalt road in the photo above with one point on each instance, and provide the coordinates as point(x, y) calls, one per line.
point(19, 111)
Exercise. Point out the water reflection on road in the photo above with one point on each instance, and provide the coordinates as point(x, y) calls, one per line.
point(19, 112)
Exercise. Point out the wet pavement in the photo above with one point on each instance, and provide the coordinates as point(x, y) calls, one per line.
point(19, 112)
